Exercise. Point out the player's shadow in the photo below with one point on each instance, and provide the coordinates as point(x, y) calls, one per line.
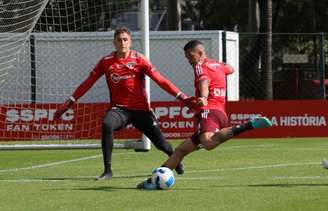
point(105, 188)
point(92, 178)
point(96, 188)
point(67, 178)
point(113, 188)
point(133, 176)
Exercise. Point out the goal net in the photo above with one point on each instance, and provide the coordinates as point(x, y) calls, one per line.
point(47, 48)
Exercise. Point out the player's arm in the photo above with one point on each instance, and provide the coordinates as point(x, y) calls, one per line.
point(228, 69)
point(85, 85)
point(166, 85)
point(203, 87)
point(80, 91)
point(202, 80)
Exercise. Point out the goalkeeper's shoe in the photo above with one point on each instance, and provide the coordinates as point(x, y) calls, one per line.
point(260, 122)
point(105, 176)
point(147, 185)
point(180, 169)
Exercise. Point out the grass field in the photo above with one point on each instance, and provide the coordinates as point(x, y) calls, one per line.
point(266, 174)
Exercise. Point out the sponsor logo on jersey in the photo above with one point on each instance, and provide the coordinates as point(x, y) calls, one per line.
point(119, 66)
point(116, 78)
point(212, 65)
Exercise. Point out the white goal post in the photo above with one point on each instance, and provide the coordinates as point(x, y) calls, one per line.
point(18, 19)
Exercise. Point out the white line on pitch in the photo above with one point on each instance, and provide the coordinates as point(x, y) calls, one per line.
point(50, 164)
point(300, 177)
point(29, 180)
point(248, 146)
point(239, 168)
point(56, 163)
point(199, 178)
point(256, 167)
point(195, 171)
point(61, 179)
point(184, 178)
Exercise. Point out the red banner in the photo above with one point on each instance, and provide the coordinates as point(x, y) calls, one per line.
point(83, 121)
point(301, 118)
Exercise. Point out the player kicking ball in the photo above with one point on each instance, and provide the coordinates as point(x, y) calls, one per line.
point(209, 103)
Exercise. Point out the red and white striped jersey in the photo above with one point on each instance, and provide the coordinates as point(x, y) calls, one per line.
point(215, 73)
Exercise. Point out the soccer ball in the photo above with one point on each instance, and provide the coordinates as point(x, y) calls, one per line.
point(325, 164)
point(163, 178)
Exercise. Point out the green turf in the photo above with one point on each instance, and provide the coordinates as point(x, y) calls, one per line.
point(267, 174)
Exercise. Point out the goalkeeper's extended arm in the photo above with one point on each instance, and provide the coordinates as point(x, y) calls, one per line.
point(167, 85)
point(170, 88)
point(64, 107)
point(80, 91)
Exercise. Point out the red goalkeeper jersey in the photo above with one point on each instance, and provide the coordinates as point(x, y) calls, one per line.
point(126, 80)
point(215, 73)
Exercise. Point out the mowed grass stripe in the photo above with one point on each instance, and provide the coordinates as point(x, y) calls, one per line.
point(243, 175)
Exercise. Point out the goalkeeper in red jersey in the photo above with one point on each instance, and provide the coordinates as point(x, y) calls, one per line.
point(125, 72)
point(210, 97)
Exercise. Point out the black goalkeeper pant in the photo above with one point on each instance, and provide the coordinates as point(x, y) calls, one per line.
point(118, 118)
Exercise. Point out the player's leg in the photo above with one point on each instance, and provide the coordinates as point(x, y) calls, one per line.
point(146, 122)
point(212, 123)
point(173, 161)
point(182, 150)
point(210, 140)
point(115, 119)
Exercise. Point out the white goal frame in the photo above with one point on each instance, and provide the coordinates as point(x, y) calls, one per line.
point(142, 145)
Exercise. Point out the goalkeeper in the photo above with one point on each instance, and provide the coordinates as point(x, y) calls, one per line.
point(210, 91)
point(125, 72)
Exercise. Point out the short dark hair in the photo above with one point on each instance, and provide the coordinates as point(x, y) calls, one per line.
point(121, 30)
point(192, 44)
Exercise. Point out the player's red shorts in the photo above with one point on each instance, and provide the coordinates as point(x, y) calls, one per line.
point(209, 121)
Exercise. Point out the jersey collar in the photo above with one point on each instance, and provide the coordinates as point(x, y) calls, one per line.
point(122, 59)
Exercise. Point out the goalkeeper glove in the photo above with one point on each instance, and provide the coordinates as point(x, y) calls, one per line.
point(202, 101)
point(190, 102)
point(63, 108)
point(181, 96)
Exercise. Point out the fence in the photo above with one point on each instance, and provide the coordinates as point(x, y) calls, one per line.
point(298, 66)
point(52, 65)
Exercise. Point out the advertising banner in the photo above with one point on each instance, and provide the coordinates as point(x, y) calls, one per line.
point(299, 118)
point(83, 121)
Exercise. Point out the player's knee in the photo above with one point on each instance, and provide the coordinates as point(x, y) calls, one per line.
point(207, 143)
point(208, 146)
point(107, 126)
point(163, 146)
